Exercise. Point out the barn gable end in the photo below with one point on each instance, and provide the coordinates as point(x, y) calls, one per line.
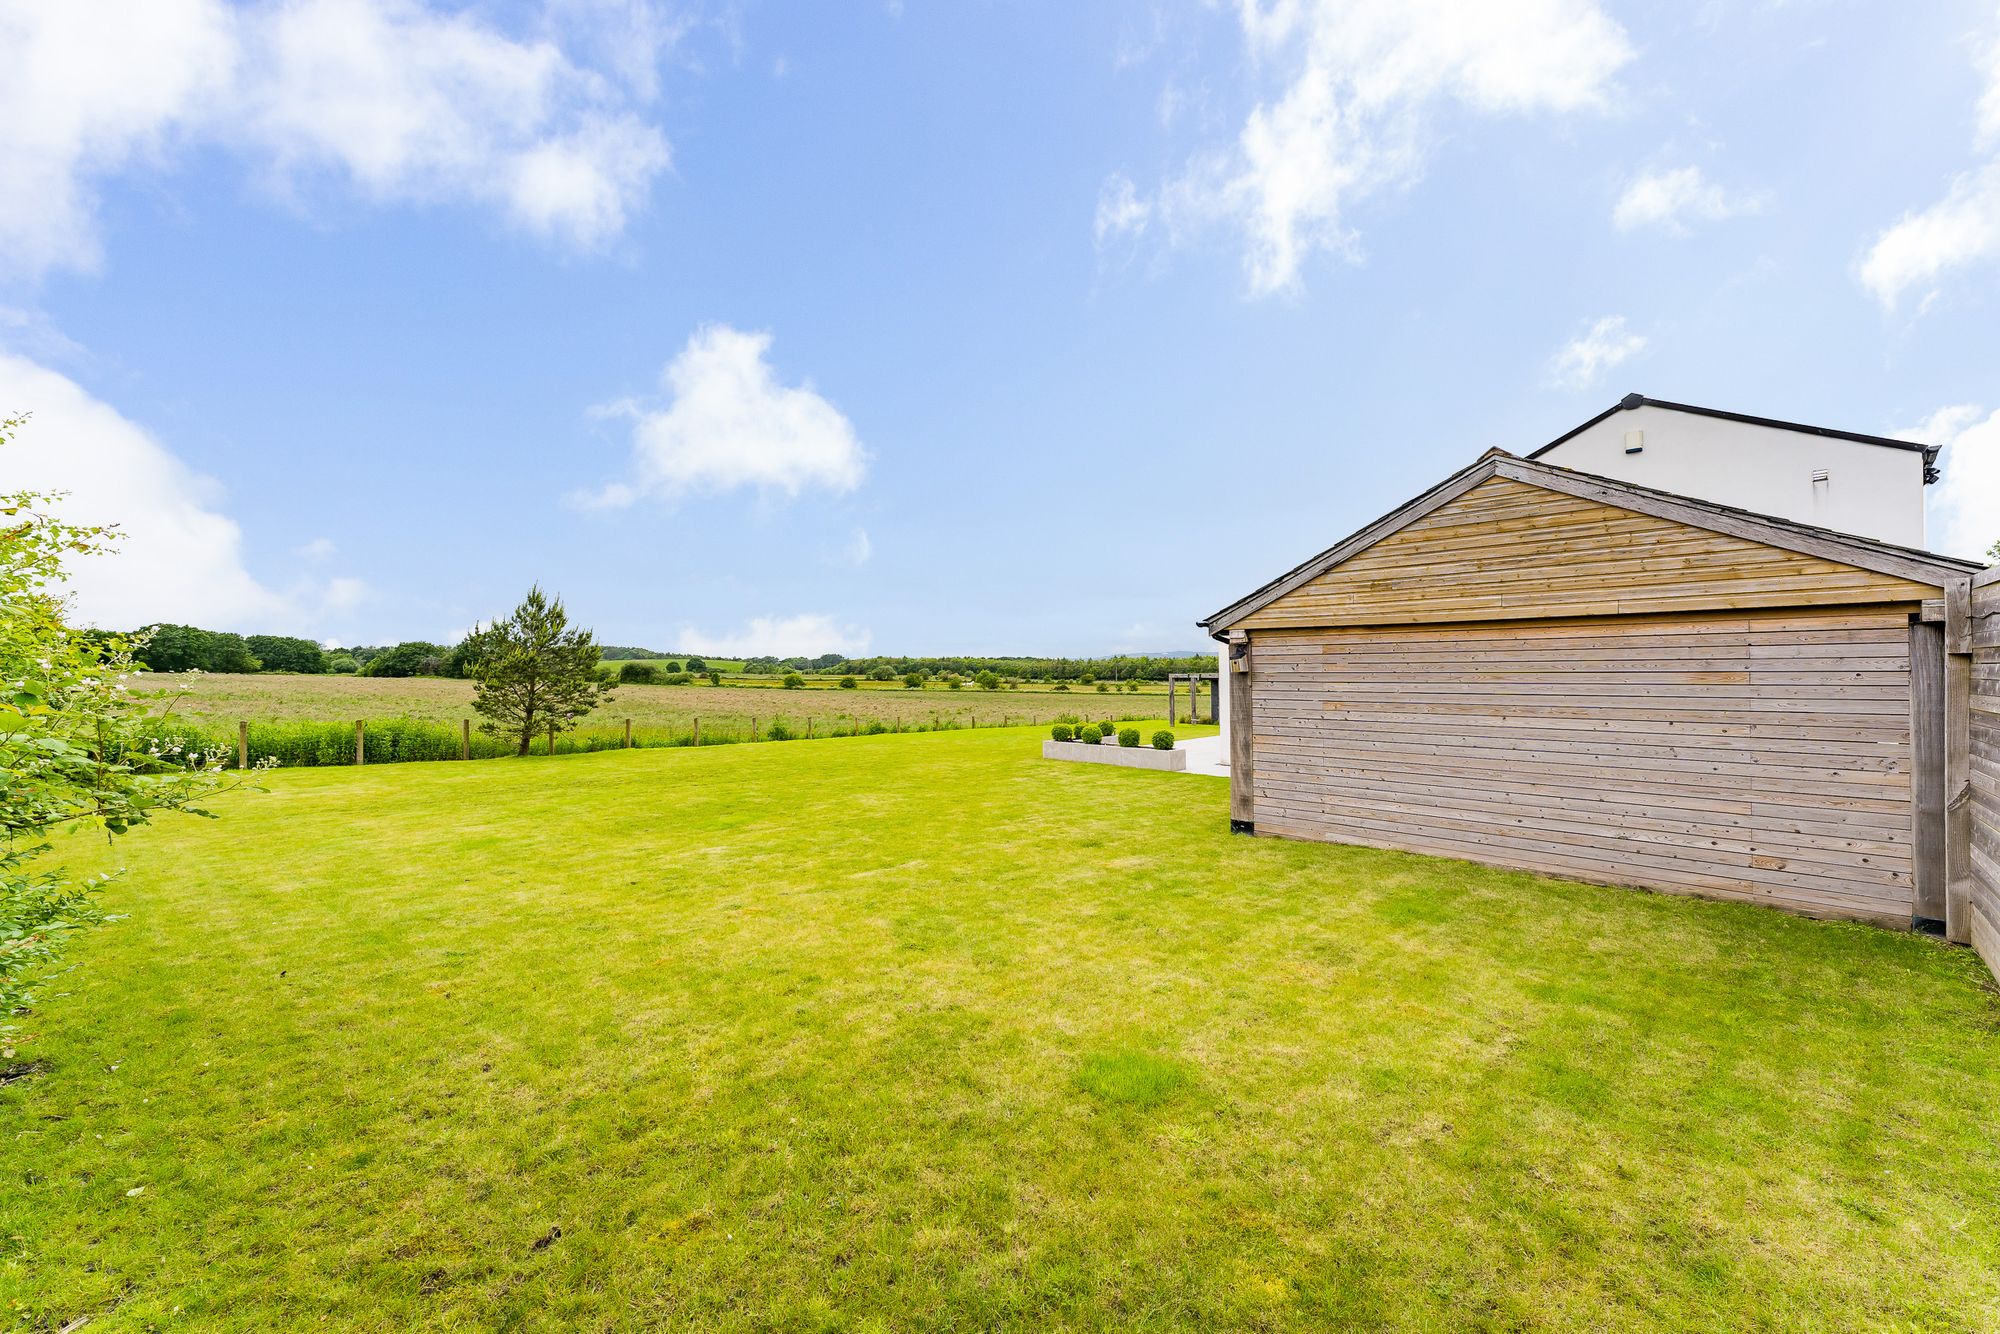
point(1566, 673)
point(1508, 549)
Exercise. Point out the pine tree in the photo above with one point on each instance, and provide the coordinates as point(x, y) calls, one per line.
point(534, 674)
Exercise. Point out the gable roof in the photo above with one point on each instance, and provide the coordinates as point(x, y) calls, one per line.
point(1787, 534)
point(1631, 401)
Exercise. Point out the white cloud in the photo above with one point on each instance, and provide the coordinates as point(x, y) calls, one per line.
point(729, 424)
point(1354, 86)
point(1989, 101)
point(1960, 229)
point(1670, 200)
point(389, 98)
point(1604, 344)
point(1964, 505)
point(858, 548)
point(1120, 211)
point(90, 87)
point(180, 557)
point(806, 636)
point(33, 334)
point(320, 548)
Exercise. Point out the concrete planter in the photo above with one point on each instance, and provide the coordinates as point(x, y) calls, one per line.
point(1131, 757)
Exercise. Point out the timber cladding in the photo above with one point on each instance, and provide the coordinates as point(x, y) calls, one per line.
point(1506, 549)
point(1984, 793)
point(1750, 754)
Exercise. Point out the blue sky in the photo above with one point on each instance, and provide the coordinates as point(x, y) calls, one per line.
point(939, 327)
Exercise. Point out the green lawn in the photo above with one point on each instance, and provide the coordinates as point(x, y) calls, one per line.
point(916, 1032)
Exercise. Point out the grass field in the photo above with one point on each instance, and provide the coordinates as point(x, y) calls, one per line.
point(922, 1032)
point(226, 699)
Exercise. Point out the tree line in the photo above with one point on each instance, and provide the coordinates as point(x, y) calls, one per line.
point(188, 648)
point(182, 648)
point(1122, 667)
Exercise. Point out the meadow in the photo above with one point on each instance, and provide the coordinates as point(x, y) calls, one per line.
point(725, 710)
point(923, 1032)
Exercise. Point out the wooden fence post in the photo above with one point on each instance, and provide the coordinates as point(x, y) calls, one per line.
point(753, 727)
point(465, 738)
point(360, 750)
point(628, 734)
point(809, 727)
point(243, 745)
point(697, 729)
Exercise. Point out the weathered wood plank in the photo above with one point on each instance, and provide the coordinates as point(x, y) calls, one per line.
point(1242, 733)
point(1927, 730)
point(1972, 832)
point(1669, 758)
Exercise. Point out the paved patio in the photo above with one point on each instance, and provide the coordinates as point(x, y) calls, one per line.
point(1206, 755)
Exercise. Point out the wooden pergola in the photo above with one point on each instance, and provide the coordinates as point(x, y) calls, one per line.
point(1194, 682)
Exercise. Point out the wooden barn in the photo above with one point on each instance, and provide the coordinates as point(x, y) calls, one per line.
point(1547, 669)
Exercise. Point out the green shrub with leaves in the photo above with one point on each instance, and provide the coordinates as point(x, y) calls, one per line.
point(1128, 737)
point(413, 657)
point(638, 673)
point(678, 679)
point(793, 681)
point(1163, 740)
point(1061, 732)
point(913, 681)
point(1090, 734)
point(714, 677)
point(285, 653)
point(849, 683)
point(74, 753)
point(778, 731)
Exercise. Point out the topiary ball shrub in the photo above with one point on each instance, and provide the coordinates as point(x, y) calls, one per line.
point(1163, 740)
point(1090, 734)
point(1128, 737)
point(1061, 732)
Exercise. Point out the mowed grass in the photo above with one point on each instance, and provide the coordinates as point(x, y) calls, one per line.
point(923, 1032)
point(224, 700)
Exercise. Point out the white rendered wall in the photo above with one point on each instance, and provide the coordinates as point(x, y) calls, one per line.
point(1870, 490)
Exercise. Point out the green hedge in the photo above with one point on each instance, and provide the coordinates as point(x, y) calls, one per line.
point(307, 745)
